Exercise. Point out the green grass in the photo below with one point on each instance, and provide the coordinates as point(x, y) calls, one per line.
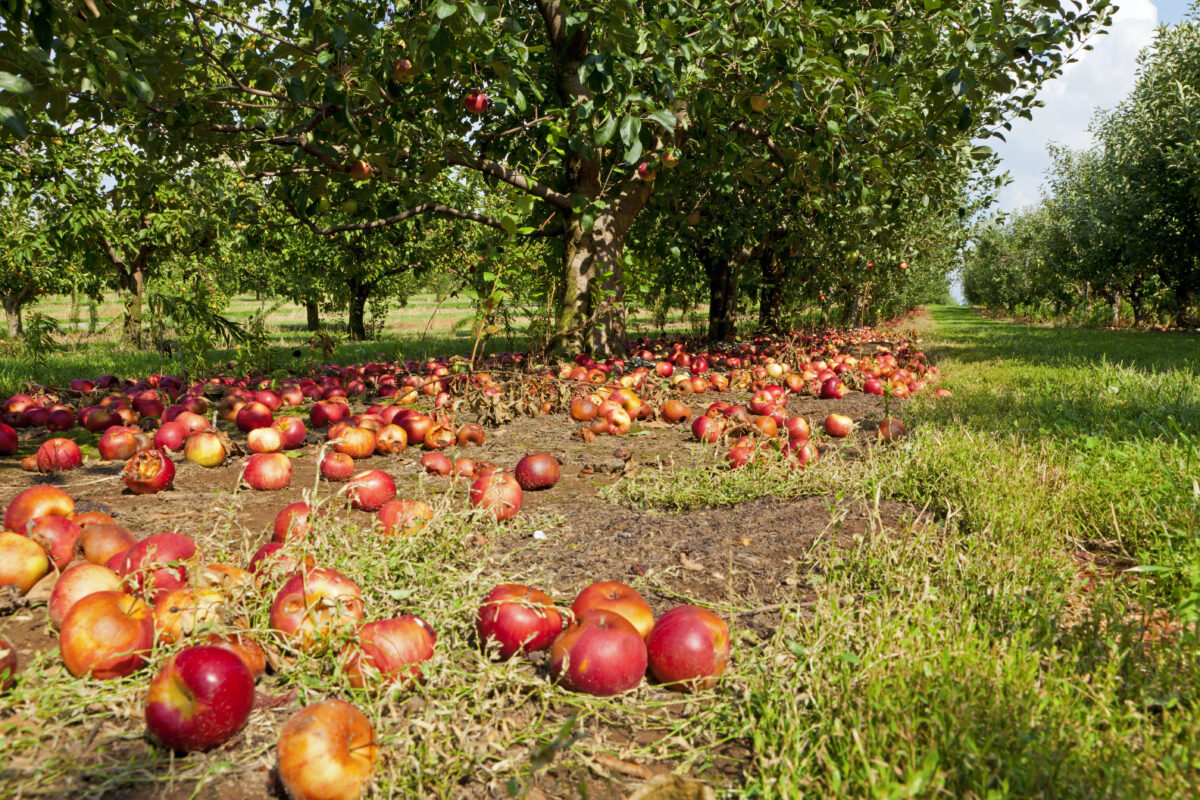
point(965, 658)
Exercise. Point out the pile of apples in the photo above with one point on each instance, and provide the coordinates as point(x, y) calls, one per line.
point(611, 641)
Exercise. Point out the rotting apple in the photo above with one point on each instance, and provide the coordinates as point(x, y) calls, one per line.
point(327, 751)
point(315, 605)
point(22, 561)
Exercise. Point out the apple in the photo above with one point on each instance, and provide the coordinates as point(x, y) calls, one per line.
point(537, 471)
point(758, 103)
point(675, 412)
point(192, 422)
point(401, 69)
point(106, 635)
point(798, 428)
point(600, 653)
point(8, 664)
point(497, 492)
point(838, 425)
point(57, 536)
point(227, 580)
point(315, 605)
point(158, 564)
point(471, 435)
point(833, 389)
point(688, 648)
point(93, 518)
point(891, 429)
point(360, 169)
point(77, 583)
point(519, 619)
point(254, 415)
point(57, 455)
point(618, 598)
point(355, 442)
point(645, 171)
point(337, 467)
point(98, 543)
point(242, 646)
point(369, 490)
point(117, 444)
point(199, 699)
point(476, 102)
point(266, 472)
point(22, 561)
point(170, 436)
point(149, 472)
point(583, 409)
point(206, 449)
point(708, 429)
point(389, 651)
point(390, 439)
point(873, 386)
point(9, 443)
point(403, 517)
point(292, 523)
point(265, 440)
point(178, 613)
point(437, 463)
point(325, 413)
point(292, 430)
point(37, 501)
point(272, 561)
point(327, 751)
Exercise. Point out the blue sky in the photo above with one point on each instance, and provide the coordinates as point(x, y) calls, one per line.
point(1100, 79)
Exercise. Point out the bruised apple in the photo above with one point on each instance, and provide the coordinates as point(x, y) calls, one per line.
point(327, 751)
point(57, 536)
point(369, 490)
point(22, 561)
point(98, 543)
point(180, 612)
point(314, 605)
point(497, 492)
point(388, 651)
point(403, 517)
point(149, 471)
point(106, 635)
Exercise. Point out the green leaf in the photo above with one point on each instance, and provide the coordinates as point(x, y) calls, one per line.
point(664, 118)
point(606, 130)
point(443, 9)
point(14, 83)
point(12, 119)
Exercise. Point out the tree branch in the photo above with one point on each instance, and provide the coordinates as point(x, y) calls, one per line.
point(511, 177)
point(765, 138)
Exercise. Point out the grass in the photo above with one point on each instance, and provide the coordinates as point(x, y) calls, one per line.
point(969, 658)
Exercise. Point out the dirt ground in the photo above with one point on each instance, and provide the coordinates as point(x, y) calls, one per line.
point(755, 554)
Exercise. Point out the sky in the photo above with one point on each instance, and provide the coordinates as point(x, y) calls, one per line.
point(1099, 79)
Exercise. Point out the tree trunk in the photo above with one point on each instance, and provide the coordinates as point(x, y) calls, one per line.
point(724, 273)
point(1116, 309)
point(591, 314)
point(359, 293)
point(314, 314)
point(853, 312)
point(134, 284)
point(12, 315)
point(770, 300)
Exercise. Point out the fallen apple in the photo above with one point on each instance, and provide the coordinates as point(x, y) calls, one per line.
point(199, 699)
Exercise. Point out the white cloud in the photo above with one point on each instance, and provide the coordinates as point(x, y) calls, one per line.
point(1099, 79)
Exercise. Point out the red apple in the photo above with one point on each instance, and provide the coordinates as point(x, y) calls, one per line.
point(618, 598)
point(199, 699)
point(314, 605)
point(158, 564)
point(437, 464)
point(838, 425)
point(708, 429)
point(254, 415)
point(476, 102)
point(537, 471)
point(292, 430)
point(93, 518)
point(57, 536)
point(268, 472)
point(292, 523)
point(8, 441)
point(497, 492)
point(833, 389)
point(688, 648)
point(106, 635)
point(600, 653)
point(369, 490)
point(325, 413)
point(519, 619)
point(327, 751)
point(337, 467)
point(22, 561)
point(388, 651)
point(170, 436)
point(891, 429)
point(57, 455)
point(149, 472)
point(403, 517)
point(117, 444)
point(37, 501)
point(390, 439)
